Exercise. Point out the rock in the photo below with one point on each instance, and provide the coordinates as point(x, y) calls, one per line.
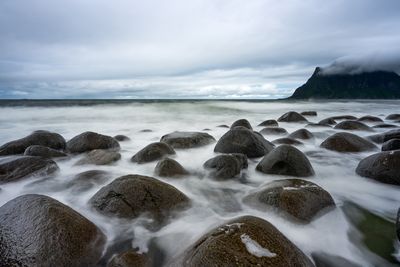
point(226, 166)
point(169, 168)
point(384, 125)
point(392, 144)
point(130, 258)
point(393, 117)
point(343, 117)
point(37, 230)
point(286, 160)
point(146, 131)
point(352, 126)
point(287, 141)
point(322, 259)
point(244, 141)
point(42, 138)
point(206, 129)
point(369, 118)
point(100, 157)
point(269, 123)
point(292, 116)
point(130, 196)
point(244, 241)
point(312, 125)
point(87, 180)
point(44, 152)
point(88, 141)
point(386, 136)
point(298, 198)
point(347, 142)
point(273, 131)
point(187, 139)
point(301, 134)
point(383, 167)
point(243, 123)
point(152, 152)
point(329, 121)
point(309, 113)
point(15, 169)
point(121, 138)
point(223, 126)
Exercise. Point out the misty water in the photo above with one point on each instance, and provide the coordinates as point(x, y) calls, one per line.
point(213, 202)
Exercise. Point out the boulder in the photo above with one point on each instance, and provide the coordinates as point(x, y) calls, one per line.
point(286, 141)
point(37, 230)
point(187, 139)
point(244, 141)
point(322, 259)
point(88, 141)
point(352, 126)
point(14, 169)
point(269, 123)
point(309, 113)
point(121, 138)
point(314, 125)
point(286, 160)
point(226, 166)
point(383, 167)
point(169, 168)
point(343, 117)
point(386, 136)
point(393, 144)
point(130, 196)
point(273, 131)
point(146, 131)
point(301, 134)
point(42, 138)
point(87, 180)
point(130, 258)
point(393, 117)
point(298, 198)
point(244, 241)
point(223, 126)
point(385, 125)
point(243, 123)
point(44, 152)
point(347, 142)
point(152, 152)
point(329, 121)
point(369, 118)
point(100, 157)
point(292, 116)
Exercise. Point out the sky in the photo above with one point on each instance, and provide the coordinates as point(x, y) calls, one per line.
point(187, 49)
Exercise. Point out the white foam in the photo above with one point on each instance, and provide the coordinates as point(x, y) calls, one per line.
point(256, 249)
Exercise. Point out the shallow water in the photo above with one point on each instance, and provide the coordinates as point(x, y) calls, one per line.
point(213, 202)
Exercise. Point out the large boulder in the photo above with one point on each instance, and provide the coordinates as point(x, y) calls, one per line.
point(42, 138)
point(273, 131)
point(242, 122)
point(322, 259)
point(14, 169)
point(37, 230)
point(370, 118)
point(286, 160)
point(44, 152)
point(347, 142)
point(328, 121)
point(383, 167)
point(86, 180)
point(88, 141)
point(386, 136)
point(244, 141)
point(384, 125)
point(130, 258)
point(292, 116)
point(226, 166)
point(287, 141)
point(393, 117)
point(130, 196)
point(298, 198)
point(352, 126)
point(269, 123)
point(121, 138)
point(309, 113)
point(169, 168)
point(152, 152)
point(301, 134)
point(244, 241)
point(100, 157)
point(393, 144)
point(187, 139)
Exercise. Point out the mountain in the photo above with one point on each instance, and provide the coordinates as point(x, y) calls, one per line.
point(366, 85)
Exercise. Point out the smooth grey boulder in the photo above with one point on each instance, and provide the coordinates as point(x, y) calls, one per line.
point(152, 152)
point(393, 117)
point(353, 126)
point(88, 141)
point(100, 157)
point(292, 116)
point(393, 144)
point(347, 142)
point(269, 123)
point(370, 118)
point(309, 113)
point(86, 180)
point(242, 122)
point(343, 117)
point(385, 125)
point(287, 141)
point(44, 152)
point(301, 134)
point(328, 121)
point(226, 166)
point(121, 138)
point(187, 139)
point(169, 168)
point(273, 131)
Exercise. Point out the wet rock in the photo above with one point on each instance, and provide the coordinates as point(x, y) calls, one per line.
point(273, 131)
point(393, 117)
point(187, 139)
point(37, 230)
point(343, 117)
point(269, 123)
point(369, 118)
point(223, 126)
point(130, 196)
point(206, 129)
point(244, 141)
point(352, 126)
point(393, 144)
point(301, 134)
point(347, 142)
point(383, 167)
point(130, 258)
point(323, 259)
point(88, 141)
point(169, 168)
point(286, 160)
point(226, 166)
point(386, 136)
point(243, 123)
point(121, 138)
point(287, 141)
point(244, 241)
point(384, 125)
point(292, 116)
point(146, 131)
point(152, 152)
point(44, 152)
point(309, 113)
point(42, 138)
point(100, 157)
point(313, 125)
point(298, 198)
point(87, 180)
point(14, 169)
point(329, 121)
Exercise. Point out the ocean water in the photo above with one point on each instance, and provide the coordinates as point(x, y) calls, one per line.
point(213, 202)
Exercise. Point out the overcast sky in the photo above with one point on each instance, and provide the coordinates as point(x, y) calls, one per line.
point(186, 48)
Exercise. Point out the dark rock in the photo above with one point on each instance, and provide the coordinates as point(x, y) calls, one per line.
point(286, 160)
point(273, 131)
point(42, 138)
point(100, 157)
point(243, 123)
point(343, 117)
point(287, 141)
point(269, 123)
point(121, 138)
point(244, 241)
point(393, 117)
point(88, 141)
point(187, 139)
point(37, 230)
point(130, 196)
point(386, 136)
point(223, 126)
point(384, 125)
point(226, 166)
point(322, 259)
point(352, 126)
point(44, 152)
point(347, 142)
point(301, 134)
point(392, 144)
point(383, 167)
point(329, 121)
point(301, 199)
point(14, 169)
point(130, 258)
point(244, 141)
point(292, 116)
point(146, 131)
point(369, 118)
point(169, 168)
point(87, 180)
point(206, 129)
point(309, 113)
point(312, 125)
point(152, 152)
